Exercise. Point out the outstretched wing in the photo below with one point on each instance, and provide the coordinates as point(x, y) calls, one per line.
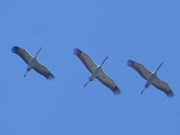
point(43, 70)
point(107, 81)
point(163, 86)
point(87, 61)
point(22, 53)
point(140, 69)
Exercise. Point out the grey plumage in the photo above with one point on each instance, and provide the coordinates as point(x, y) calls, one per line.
point(91, 66)
point(38, 67)
point(146, 74)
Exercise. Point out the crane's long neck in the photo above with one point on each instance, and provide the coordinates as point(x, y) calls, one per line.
point(38, 53)
point(104, 61)
point(159, 67)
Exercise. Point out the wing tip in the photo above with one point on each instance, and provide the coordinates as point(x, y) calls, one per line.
point(76, 51)
point(116, 91)
point(130, 63)
point(170, 93)
point(50, 76)
point(15, 49)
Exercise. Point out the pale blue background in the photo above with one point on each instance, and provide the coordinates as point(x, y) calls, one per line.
point(147, 31)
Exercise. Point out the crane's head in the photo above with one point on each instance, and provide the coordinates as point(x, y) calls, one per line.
point(38, 53)
point(104, 61)
point(159, 67)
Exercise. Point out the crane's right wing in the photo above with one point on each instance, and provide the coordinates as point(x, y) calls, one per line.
point(22, 53)
point(107, 81)
point(43, 70)
point(163, 86)
point(87, 61)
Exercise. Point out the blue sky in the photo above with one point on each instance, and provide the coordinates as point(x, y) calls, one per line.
point(146, 31)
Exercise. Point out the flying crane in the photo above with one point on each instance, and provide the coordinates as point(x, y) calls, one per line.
point(151, 78)
point(32, 62)
point(97, 71)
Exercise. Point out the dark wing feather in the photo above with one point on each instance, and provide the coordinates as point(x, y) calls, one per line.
point(140, 69)
point(107, 81)
point(163, 86)
point(87, 61)
point(43, 70)
point(22, 53)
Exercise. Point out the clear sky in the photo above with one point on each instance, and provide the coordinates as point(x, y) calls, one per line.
point(147, 31)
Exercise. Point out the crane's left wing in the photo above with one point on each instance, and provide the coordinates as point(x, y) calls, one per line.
point(87, 61)
point(163, 86)
point(140, 69)
point(43, 70)
point(22, 53)
point(107, 81)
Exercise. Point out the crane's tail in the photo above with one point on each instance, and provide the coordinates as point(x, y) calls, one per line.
point(25, 74)
point(86, 83)
point(143, 90)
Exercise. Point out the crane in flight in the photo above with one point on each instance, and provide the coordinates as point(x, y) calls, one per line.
point(96, 71)
point(32, 62)
point(151, 78)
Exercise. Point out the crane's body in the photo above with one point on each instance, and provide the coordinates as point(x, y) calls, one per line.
point(151, 78)
point(32, 63)
point(96, 72)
